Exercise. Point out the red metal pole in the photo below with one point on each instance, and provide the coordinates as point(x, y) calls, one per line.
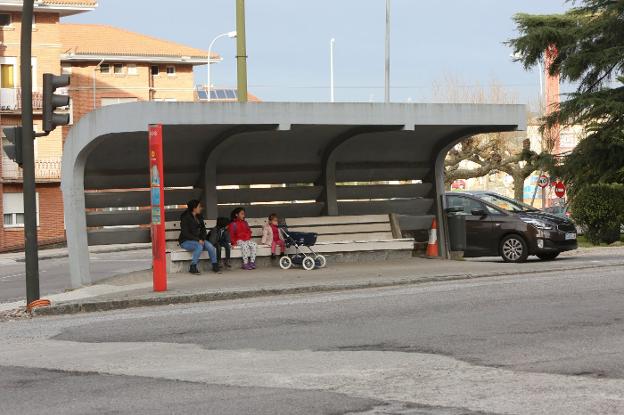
point(157, 192)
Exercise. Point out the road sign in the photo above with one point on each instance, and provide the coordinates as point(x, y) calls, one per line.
point(543, 181)
point(560, 189)
point(159, 263)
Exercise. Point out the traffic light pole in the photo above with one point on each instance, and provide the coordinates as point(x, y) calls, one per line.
point(28, 154)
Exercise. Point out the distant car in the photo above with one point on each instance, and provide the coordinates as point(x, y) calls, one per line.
point(561, 211)
point(497, 225)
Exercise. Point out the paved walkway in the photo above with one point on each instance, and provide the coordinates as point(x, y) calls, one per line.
point(135, 289)
point(52, 253)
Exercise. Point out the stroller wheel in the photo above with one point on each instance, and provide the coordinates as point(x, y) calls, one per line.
point(285, 262)
point(321, 261)
point(308, 263)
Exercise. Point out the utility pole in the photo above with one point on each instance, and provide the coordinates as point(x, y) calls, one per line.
point(387, 71)
point(241, 51)
point(28, 154)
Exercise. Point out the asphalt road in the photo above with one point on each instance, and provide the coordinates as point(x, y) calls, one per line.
point(54, 273)
point(549, 343)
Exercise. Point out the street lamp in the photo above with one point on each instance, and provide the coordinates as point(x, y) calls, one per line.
point(231, 35)
point(332, 46)
point(540, 67)
point(387, 66)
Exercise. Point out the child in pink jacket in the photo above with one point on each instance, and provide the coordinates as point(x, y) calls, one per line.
point(272, 236)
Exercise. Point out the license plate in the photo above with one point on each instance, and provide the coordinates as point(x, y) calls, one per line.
point(570, 236)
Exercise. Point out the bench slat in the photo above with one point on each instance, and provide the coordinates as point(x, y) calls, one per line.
point(345, 229)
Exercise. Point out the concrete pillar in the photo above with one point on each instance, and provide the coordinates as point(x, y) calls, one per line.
point(328, 174)
point(76, 224)
point(209, 179)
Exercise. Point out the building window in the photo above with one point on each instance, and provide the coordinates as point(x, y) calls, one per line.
point(13, 207)
point(66, 68)
point(5, 20)
point(118, 69)
point(7, 75)
point(171, 70)
point(105, 68)
point(155, 70)
point(113, 101)
point(132, 69)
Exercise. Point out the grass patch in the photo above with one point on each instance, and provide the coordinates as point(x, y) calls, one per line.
point(584, 243)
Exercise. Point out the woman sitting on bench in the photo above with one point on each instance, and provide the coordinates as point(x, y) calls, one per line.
point(193, 236)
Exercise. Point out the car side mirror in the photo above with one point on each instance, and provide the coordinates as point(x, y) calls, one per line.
point(478, 212)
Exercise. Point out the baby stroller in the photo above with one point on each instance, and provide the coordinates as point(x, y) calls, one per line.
point(307, 261)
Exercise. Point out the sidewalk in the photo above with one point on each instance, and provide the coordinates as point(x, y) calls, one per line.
point(63, 252)
point(135, 290)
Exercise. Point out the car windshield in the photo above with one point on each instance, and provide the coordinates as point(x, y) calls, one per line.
point(504, 203)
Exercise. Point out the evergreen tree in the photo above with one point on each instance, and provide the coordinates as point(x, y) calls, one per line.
point(590, 43)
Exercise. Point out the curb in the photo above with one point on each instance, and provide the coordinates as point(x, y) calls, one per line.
point(109, 305)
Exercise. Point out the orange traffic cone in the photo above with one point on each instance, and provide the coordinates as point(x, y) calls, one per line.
point(432, 246)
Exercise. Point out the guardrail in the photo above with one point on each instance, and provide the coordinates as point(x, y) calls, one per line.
point(45, 170)
point(11, 99)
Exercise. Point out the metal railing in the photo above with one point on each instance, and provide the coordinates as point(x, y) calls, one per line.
point(48, 169)
point(11, 99)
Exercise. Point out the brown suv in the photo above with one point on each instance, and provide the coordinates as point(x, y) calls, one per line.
point(497, 225)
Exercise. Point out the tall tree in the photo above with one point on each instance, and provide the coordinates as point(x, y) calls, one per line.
point(590, 42)
point(486, 154)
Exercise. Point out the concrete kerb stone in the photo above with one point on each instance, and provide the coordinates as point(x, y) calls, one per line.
point(164, 299)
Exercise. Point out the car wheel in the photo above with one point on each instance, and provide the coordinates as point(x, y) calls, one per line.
point(548, 256)
point(514, 249)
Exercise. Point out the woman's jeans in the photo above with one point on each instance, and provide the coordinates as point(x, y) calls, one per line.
point(196, 248)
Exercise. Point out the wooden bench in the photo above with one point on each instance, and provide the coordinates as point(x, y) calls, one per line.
point(336, 234)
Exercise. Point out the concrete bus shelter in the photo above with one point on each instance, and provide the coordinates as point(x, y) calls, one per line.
point(322, 159)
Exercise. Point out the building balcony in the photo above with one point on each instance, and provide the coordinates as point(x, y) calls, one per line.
point(46, 170)
point(11, 100)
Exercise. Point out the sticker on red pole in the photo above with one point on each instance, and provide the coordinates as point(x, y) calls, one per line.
point(560, 189)
point(543, 181)
point(157, 198)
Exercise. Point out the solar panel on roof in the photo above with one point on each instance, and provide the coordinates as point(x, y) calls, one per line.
point(221, 94)
point(229, 93)
point(213, 94)
point(202, 95)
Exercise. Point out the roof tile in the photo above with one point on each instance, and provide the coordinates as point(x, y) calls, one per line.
point(80, 3)
point(91, 39)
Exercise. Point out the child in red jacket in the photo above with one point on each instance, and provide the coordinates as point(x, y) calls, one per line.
point(240, 234)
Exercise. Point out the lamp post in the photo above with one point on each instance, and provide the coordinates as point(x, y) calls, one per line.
point(231, 35)
point(387, 71)
point(540, 67)
point(332, 46)
point(95, 71)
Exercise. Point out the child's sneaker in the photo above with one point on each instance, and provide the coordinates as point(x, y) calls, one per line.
point(247, 267)
point(252, 265)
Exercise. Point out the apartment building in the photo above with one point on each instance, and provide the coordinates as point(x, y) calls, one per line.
point(107, 66)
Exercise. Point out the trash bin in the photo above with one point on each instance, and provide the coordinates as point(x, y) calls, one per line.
point(457, 228)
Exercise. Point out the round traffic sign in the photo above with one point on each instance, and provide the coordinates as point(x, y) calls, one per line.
point(560, 189)
point(543, 181)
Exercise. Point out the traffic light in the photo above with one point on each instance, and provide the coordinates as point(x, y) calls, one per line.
point(52, 101)
point(13, 148)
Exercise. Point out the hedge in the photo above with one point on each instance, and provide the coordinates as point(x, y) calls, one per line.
point(599, 208)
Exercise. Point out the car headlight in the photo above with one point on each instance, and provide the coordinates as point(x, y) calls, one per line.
point(539, 224)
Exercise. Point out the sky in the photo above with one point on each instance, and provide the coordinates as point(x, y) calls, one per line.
point(288, 43)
